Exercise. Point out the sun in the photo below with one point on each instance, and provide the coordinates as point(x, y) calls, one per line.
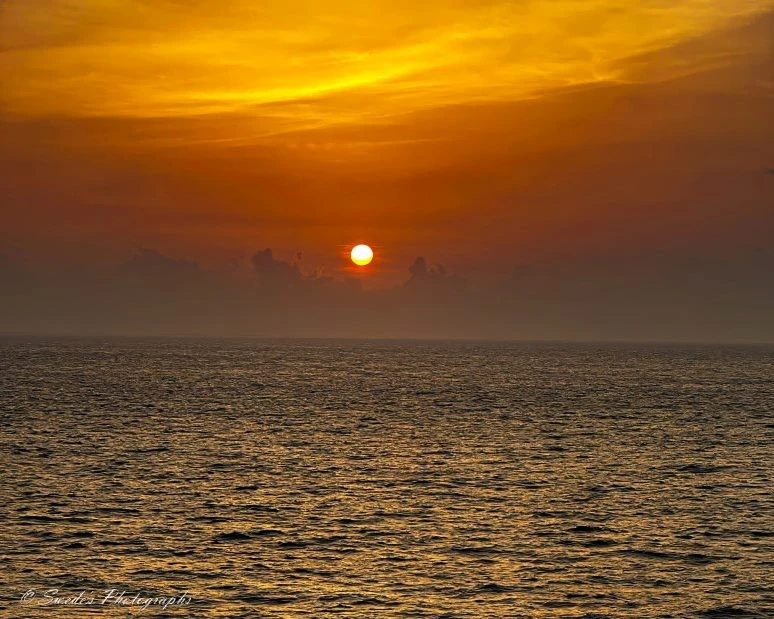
point(361, 255)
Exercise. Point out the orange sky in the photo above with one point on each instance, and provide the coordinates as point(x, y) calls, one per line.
point(483, 135)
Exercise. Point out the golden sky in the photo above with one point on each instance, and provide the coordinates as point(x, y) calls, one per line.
point(461, 129)
point(296, 64)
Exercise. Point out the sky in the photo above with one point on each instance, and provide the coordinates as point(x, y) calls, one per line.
point(547, 169)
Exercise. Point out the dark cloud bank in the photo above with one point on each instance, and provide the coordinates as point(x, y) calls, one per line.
point(672, 298)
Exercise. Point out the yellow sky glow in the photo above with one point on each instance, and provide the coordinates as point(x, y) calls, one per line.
point(303, 64)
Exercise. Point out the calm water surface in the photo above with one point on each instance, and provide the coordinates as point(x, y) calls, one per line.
point(373, 479)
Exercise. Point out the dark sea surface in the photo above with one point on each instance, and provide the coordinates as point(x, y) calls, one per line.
point(385, 479)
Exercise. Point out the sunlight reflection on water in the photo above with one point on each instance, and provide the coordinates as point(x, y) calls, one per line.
point(373, 479)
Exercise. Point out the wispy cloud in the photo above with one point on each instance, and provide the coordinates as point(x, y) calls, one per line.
point(336, 62)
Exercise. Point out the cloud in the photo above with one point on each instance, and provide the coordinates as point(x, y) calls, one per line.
point(300, 64)
point(673, 298)
point(271, 272)
point(149, 263)
point(433, 277)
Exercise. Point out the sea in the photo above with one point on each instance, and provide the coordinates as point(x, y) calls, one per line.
point(366, 479)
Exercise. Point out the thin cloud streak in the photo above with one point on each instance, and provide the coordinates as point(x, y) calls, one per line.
point(342, 63)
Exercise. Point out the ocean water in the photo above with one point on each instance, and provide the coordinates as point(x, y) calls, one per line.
point(385, 479)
